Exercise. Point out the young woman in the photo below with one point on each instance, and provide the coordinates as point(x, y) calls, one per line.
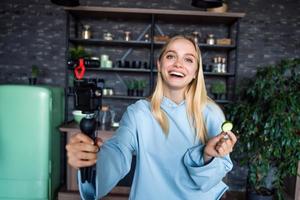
point(181, 152)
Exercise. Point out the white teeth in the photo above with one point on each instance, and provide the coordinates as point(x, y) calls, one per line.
point(177, 73)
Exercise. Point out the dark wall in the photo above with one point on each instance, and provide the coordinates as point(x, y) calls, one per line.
point(33, 32)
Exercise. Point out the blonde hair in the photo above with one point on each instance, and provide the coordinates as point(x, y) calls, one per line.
point(195, 96)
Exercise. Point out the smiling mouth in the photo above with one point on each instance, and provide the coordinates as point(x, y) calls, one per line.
point(176, 74)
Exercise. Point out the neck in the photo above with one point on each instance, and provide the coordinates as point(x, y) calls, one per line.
point(176, 96)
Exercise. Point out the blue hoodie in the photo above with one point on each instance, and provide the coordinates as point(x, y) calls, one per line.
point(167, 167)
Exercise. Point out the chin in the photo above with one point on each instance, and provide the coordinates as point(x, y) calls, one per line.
point(176, 86)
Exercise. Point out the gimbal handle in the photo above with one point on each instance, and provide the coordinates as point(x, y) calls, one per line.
point(88, 126)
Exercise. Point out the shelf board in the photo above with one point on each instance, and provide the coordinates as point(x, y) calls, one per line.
point(222, 101)
point(110, 42)
point(115, 69)
point(204, 16)
point(139, 43)
point(123, 97)
point(218, 74)
point(212, 74)
point(204, 46)
point(216, 46)
point(142, 70)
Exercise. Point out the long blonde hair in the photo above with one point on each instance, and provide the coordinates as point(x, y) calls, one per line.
point(195, 96)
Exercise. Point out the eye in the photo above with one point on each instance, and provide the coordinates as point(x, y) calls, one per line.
point(190, 60)
point(170, 56)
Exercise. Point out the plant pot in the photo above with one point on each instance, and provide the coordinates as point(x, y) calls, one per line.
point(139, 93)
point(32, 81)
point(130, 92)
point(219, 96)
point(255, 196)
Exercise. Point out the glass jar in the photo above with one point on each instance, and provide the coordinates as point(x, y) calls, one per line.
point(196, 36)
point(223, 68)
point(86, 32)
point(146, 37)
point(107, 36)
point(210, 39)
point(105, 118)
point(127, 35)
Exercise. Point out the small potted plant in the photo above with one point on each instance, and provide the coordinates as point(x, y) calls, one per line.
point(130, 87)
point(34, 74)
point(76, 53)
point(218, 89)
point(140, 86)
point(267, 119)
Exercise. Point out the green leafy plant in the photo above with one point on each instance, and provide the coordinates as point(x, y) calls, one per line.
point(130, 84)
point(267, 121)
point(218, 87)
point(78, 52)
point(34, 71)
point(141, 84)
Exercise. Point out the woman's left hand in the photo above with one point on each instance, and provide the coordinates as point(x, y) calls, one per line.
point(219, 146)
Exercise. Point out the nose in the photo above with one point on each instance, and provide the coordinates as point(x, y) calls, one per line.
point(178, 63)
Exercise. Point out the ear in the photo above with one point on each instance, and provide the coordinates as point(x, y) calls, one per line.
point(158, 65)
point(196, 74)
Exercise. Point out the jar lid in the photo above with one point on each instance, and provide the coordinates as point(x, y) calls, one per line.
point(86, 26)
point(95, 58)
point(104, 108)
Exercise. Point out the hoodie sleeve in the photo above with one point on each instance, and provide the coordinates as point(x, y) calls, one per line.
point(206, 176)
point(113, 159)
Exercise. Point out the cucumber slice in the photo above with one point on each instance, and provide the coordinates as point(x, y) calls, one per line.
point(227, 126)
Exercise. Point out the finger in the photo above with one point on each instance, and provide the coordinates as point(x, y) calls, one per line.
point(232, 136)
point(221, 141)
point(80, 137)
point(223, 149)
point(77, 147)
point(229, 146)
point(99, 142)
point(81, 163)
point(220, 150)
point(221, 135)
point(85, 156)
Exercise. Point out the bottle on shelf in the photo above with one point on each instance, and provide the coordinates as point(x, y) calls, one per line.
point(219, 69)
point(215, 65)
point(196, 36)
point(86, 32)
point(223, 65)
point(105, 117)
point(127, 35)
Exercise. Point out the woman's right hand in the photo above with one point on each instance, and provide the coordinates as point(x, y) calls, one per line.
point(82, 150)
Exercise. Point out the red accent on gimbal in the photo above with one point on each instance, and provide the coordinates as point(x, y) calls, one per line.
point(80, 69)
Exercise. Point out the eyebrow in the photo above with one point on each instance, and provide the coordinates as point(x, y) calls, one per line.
point(172, 51)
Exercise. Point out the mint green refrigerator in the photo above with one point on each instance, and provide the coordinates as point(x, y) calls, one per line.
point(30, 141)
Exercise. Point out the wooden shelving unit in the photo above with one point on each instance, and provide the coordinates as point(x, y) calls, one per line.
point(152, 18)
